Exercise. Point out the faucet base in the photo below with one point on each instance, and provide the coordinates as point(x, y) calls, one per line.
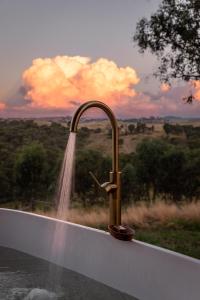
point(121, 232)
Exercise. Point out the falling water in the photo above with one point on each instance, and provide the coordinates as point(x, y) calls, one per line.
point(63, 201)
point(65, 181)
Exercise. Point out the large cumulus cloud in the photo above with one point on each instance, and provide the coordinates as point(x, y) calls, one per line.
point(56, 86)
point(63, 81)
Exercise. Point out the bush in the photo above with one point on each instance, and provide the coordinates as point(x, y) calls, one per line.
point(97, 130)
point(121, 142)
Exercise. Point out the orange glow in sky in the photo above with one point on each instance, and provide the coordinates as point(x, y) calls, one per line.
point(2, 105)
point(59, 84)
point(165, 87)
point(61, 81)
point(197, 90)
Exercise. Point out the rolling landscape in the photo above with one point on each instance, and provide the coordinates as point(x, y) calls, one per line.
point(156, 199)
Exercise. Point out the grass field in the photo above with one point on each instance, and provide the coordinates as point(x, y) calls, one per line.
point(167, 225)
point(101, 142)
point(175, 227)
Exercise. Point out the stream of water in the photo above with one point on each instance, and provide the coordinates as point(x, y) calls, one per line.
point(65, 181)
point(59, 237)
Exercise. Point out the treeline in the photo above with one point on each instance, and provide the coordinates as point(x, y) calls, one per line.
point(185, 135)
point(159, 169)
point(188, 130)
point(31, 157)
point(156, 170)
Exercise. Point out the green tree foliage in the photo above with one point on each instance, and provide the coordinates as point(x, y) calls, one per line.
point(140, 128)
point(30, 171)
point(14, 136)
point(168, 170)
point(5, 186)
point(173, 129)
point(131, 188)
point(173, 34)
point(191, 133)
point(192, 174)
point(149, 155)
point(90, 161)
point(31, 157)
point(97, 130)
point(109, 133)
point(131, 128)
point(121, 142)
point(172, 173)
point(167, 128)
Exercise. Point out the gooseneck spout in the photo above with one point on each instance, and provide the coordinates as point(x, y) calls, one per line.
point(113, 187)
point(108, 111)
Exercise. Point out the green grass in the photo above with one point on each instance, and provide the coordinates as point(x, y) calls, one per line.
point(179, 240)
point(181, 237)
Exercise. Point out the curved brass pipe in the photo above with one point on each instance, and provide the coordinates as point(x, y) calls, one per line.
point(108, 111)
point(113, 187)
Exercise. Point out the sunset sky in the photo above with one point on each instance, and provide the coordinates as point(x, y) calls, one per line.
point(57, 54)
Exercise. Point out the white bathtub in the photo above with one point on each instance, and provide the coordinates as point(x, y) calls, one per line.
point(144, 271)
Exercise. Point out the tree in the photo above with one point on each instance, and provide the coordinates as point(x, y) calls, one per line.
point(167, 128)
point(131, 188)
point(140, 128)
point(97, 130)
point(90, 161)
point(148, 164)
point(173, 34)
point(172, 169)
point(121, 142)
point(5, 186)
point(6, 173)
point(131, 128)
point(191, 185)
point(173, 129)
point(30, 170)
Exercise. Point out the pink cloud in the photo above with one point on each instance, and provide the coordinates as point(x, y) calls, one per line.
point(56, 83)
point(57, 86)
point(165, 87)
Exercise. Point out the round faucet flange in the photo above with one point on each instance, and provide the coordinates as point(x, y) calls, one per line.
point(121, 232)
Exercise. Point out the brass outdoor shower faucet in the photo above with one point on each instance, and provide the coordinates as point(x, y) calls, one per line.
point(113, 187)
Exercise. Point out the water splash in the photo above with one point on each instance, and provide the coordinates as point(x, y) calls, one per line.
point(40, 294)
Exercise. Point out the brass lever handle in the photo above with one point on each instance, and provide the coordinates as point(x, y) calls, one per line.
point(95, 179)
point(107, 186)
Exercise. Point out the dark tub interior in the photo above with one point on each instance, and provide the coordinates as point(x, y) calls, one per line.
point(24, 277)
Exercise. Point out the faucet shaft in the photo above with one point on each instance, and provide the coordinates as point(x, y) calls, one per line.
point(114, 194)
point(115, 199)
